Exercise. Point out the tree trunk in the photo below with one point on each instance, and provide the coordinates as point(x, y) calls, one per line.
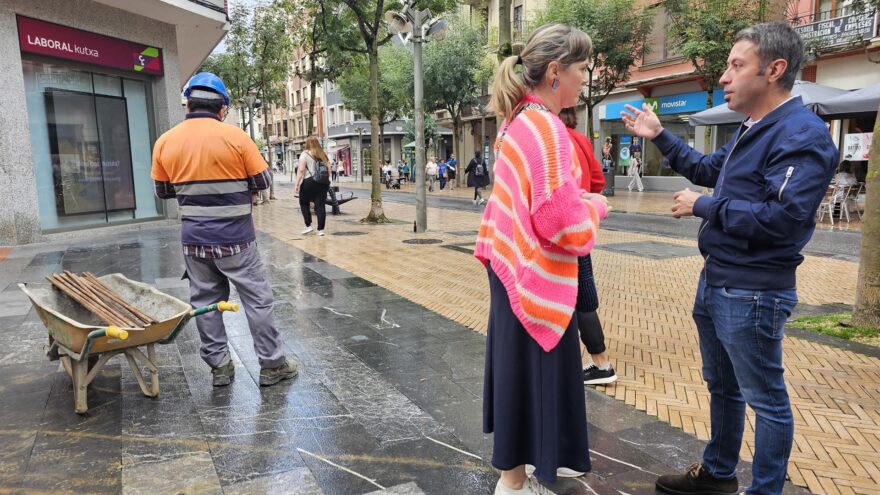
point(267, 195)
point(867, 309)
point(376, 214)
point(707, 137)
point(310, 126)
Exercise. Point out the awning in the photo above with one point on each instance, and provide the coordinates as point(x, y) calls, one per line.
point(810, 93)
point(410, 145)
point(862, 101)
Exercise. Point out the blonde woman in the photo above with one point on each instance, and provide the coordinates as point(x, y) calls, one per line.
point(309, 190)
point(536, 224)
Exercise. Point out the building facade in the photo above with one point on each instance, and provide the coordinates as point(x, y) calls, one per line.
point(89, 85)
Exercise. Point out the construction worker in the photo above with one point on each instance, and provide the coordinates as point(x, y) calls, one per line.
point(212, 168)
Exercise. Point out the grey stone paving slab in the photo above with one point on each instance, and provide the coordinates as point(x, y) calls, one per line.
point(298, 480)
point(14, 302)
point(327, 270)
point(190, 473)
point(651, 249)
point(405, 489)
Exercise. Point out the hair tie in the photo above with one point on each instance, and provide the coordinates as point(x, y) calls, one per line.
point(518, 60)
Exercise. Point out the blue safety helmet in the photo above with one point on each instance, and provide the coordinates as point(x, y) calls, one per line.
point(208, 81)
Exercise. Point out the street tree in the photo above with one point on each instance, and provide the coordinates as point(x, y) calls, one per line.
point(619, 33)
point(867, 308)
point(364, 21)
point(316, 33)
point(394, 86)
point(453, 73)
point(256, 62)
point(703, 31)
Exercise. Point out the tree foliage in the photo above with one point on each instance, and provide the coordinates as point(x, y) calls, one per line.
point(257, 57)
point(395, 85)
point(619, 33)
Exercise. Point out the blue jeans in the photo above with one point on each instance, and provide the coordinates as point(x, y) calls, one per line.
point(741, 333)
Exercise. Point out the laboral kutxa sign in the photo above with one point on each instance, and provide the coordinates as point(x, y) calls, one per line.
point(55, 40)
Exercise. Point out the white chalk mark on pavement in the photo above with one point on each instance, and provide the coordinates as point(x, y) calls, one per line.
point(340, 467)
point(438, 442)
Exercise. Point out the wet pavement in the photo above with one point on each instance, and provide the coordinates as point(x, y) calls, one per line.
point(388, 399)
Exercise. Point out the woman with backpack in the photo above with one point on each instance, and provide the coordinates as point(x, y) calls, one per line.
point(312, 183)
point(477, 177)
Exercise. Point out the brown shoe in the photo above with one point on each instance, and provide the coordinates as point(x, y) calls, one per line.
point(697, 481)
point(271, 376)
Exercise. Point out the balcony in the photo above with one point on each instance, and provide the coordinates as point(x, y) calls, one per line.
point(837, 27)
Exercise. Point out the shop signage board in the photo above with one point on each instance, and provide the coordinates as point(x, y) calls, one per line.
point(840, 30)
point(857, 147)
point(55, 40)
point(668, 105)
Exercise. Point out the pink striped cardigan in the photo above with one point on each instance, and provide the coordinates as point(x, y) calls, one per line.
point(536, 224)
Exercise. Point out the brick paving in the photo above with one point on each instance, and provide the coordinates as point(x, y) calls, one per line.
point(645, 310)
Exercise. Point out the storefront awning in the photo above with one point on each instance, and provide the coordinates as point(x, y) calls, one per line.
point(410, 145)
point(862, 101)
point(810, 93)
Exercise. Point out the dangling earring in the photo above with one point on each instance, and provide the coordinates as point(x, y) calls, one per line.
point(555, 85)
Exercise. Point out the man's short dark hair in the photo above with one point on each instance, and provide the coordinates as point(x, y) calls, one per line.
point(775, 40)
point(204, 105)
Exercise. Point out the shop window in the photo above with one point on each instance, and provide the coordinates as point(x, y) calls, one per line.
point(91, 137)
point(517, 23)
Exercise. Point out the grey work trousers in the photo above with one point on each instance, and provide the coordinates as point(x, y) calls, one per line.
point(209, 283)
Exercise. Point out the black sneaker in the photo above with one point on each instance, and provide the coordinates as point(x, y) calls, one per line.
point(595, 376)
point(697, 481)
point(223, 375)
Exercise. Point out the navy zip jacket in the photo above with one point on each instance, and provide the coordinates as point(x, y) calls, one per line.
point(769, 180)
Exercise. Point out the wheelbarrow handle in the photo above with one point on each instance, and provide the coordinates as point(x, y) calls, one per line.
point(220, 306)
point(112, 332)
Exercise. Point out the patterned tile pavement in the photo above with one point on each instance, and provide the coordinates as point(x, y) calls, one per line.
point(645, 310)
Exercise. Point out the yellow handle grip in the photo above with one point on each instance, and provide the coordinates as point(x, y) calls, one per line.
point(116, 332)
point(227, 306)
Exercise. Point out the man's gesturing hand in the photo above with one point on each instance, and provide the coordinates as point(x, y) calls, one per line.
point(643, 123)
point(684, 203)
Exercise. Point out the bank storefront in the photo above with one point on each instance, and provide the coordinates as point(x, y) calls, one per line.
point(673, 111)
point(89, 89)
point(91, 128)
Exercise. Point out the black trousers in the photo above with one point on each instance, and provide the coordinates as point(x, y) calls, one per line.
point(312, 192)
point(589, 325)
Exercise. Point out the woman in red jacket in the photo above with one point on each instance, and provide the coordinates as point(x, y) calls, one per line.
point(592, 180)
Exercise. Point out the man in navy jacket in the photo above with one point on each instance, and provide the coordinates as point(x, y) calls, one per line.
point(768, 182)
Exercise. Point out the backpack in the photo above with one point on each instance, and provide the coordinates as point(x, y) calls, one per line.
point(322, 172)
point(479, 170)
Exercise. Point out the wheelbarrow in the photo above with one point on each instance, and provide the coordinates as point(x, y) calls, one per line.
point(84, 344)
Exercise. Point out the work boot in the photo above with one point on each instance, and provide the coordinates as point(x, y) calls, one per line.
point(223, 374)
point(697, 481)
point(271, 376)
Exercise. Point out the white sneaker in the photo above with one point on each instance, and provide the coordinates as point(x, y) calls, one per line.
point(530, 487)
point(562, 472)
point(321, 233)
point(482, 201)
point(306, 230)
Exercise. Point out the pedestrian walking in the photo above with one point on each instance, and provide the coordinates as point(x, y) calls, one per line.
point(451, 169)
point(212, 168)
point(335, 174)
point(599, 371)
point(312, 184)
point(635, 166)
point(477, 177)
point(441, 174)
point(406, 172)
point(768, 181)
point(533, 401)
point(340, 170)
point(431, 173)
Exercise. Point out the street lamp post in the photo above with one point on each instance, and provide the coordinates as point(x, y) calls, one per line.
point(360, 155)
point(413, 21)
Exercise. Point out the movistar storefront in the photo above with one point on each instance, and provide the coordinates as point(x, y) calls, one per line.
point(673, 110)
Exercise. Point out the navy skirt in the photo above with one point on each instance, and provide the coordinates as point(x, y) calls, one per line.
point(533, 401)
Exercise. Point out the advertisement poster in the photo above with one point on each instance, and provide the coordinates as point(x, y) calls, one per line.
point(857, 147)
point(623, 155)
